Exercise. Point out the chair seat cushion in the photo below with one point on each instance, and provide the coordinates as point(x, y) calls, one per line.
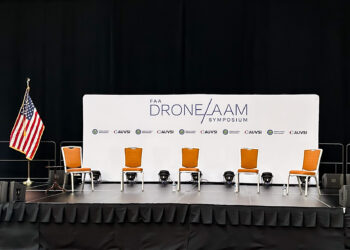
point(133, 169)
point(189, 169)
point(246, 170)
point(78, 169)
point(301, 172)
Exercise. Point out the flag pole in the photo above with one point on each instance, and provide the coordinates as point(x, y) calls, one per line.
point(28, 182)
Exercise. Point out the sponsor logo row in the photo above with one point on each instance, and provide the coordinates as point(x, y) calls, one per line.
point(204, 132)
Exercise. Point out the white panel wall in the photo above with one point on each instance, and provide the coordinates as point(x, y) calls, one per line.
point(280, 126)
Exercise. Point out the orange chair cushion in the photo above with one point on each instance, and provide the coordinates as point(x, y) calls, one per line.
point(249, 158)
point(132, 169)
point(243, 170)
point(78, 169)
point(189, 169)
point(133, 157)
point(301, 172)
point(72, 157)
point(190, 157)
point(311, 158)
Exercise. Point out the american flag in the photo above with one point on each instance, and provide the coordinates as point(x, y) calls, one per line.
point(28, 129)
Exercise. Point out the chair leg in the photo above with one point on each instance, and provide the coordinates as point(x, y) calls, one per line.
point(142, 181)
point(72, 181)
point(258, 183)
point(237, 183)
point(92, 181)
point(288, 184)
point(179, 181)
point(317, 185)
point(299, 184)
point(64, 180)
point(83, 177)
point(122, 182)
point(306, 184)
point(199, 181)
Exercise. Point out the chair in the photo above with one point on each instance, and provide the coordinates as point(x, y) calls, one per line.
point(189, 163)
point(132, 164)
point(72, 159)
point(249, 160)
point(312, 158)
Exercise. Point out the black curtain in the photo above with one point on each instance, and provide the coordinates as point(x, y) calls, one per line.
point(72, 48)
point(170, 226)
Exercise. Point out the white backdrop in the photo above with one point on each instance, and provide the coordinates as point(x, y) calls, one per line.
point(280, 126)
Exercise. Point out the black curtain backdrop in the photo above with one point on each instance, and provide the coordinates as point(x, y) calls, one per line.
point(72, 48)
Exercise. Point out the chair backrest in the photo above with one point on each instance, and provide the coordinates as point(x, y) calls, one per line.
point(312, 158)
point(190, 157)
point(133, 157)
point(249, 158)
point(71, 156)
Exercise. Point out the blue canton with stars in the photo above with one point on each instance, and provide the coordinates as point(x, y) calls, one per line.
point(28, 108)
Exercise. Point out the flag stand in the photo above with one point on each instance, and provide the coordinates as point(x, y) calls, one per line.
point(28, 182)
point(27, 131)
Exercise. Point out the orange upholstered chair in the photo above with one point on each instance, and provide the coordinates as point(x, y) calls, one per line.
point(311, 162)
point(133, 158)
point(189, 165)
point(249, 162)
point(73, 165)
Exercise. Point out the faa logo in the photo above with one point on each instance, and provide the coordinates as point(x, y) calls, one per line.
point(225, 132)
point(181, 131)
point(270, 132)
point(138, 131)
point(94, 131)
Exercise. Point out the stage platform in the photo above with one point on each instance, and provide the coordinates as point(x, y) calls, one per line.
point(217, 194)
point(159, 218)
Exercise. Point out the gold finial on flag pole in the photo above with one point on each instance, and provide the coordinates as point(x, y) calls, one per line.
point(28, 80)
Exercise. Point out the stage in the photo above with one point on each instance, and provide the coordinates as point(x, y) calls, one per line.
point(158, 218)
point(218, 194)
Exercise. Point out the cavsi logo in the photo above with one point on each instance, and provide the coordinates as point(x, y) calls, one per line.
point(253, 132)
point(298, 132)
point(165, 132)
point(209, 132)
point(121, 131)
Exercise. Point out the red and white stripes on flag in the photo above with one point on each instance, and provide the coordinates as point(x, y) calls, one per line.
point(28, 129)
